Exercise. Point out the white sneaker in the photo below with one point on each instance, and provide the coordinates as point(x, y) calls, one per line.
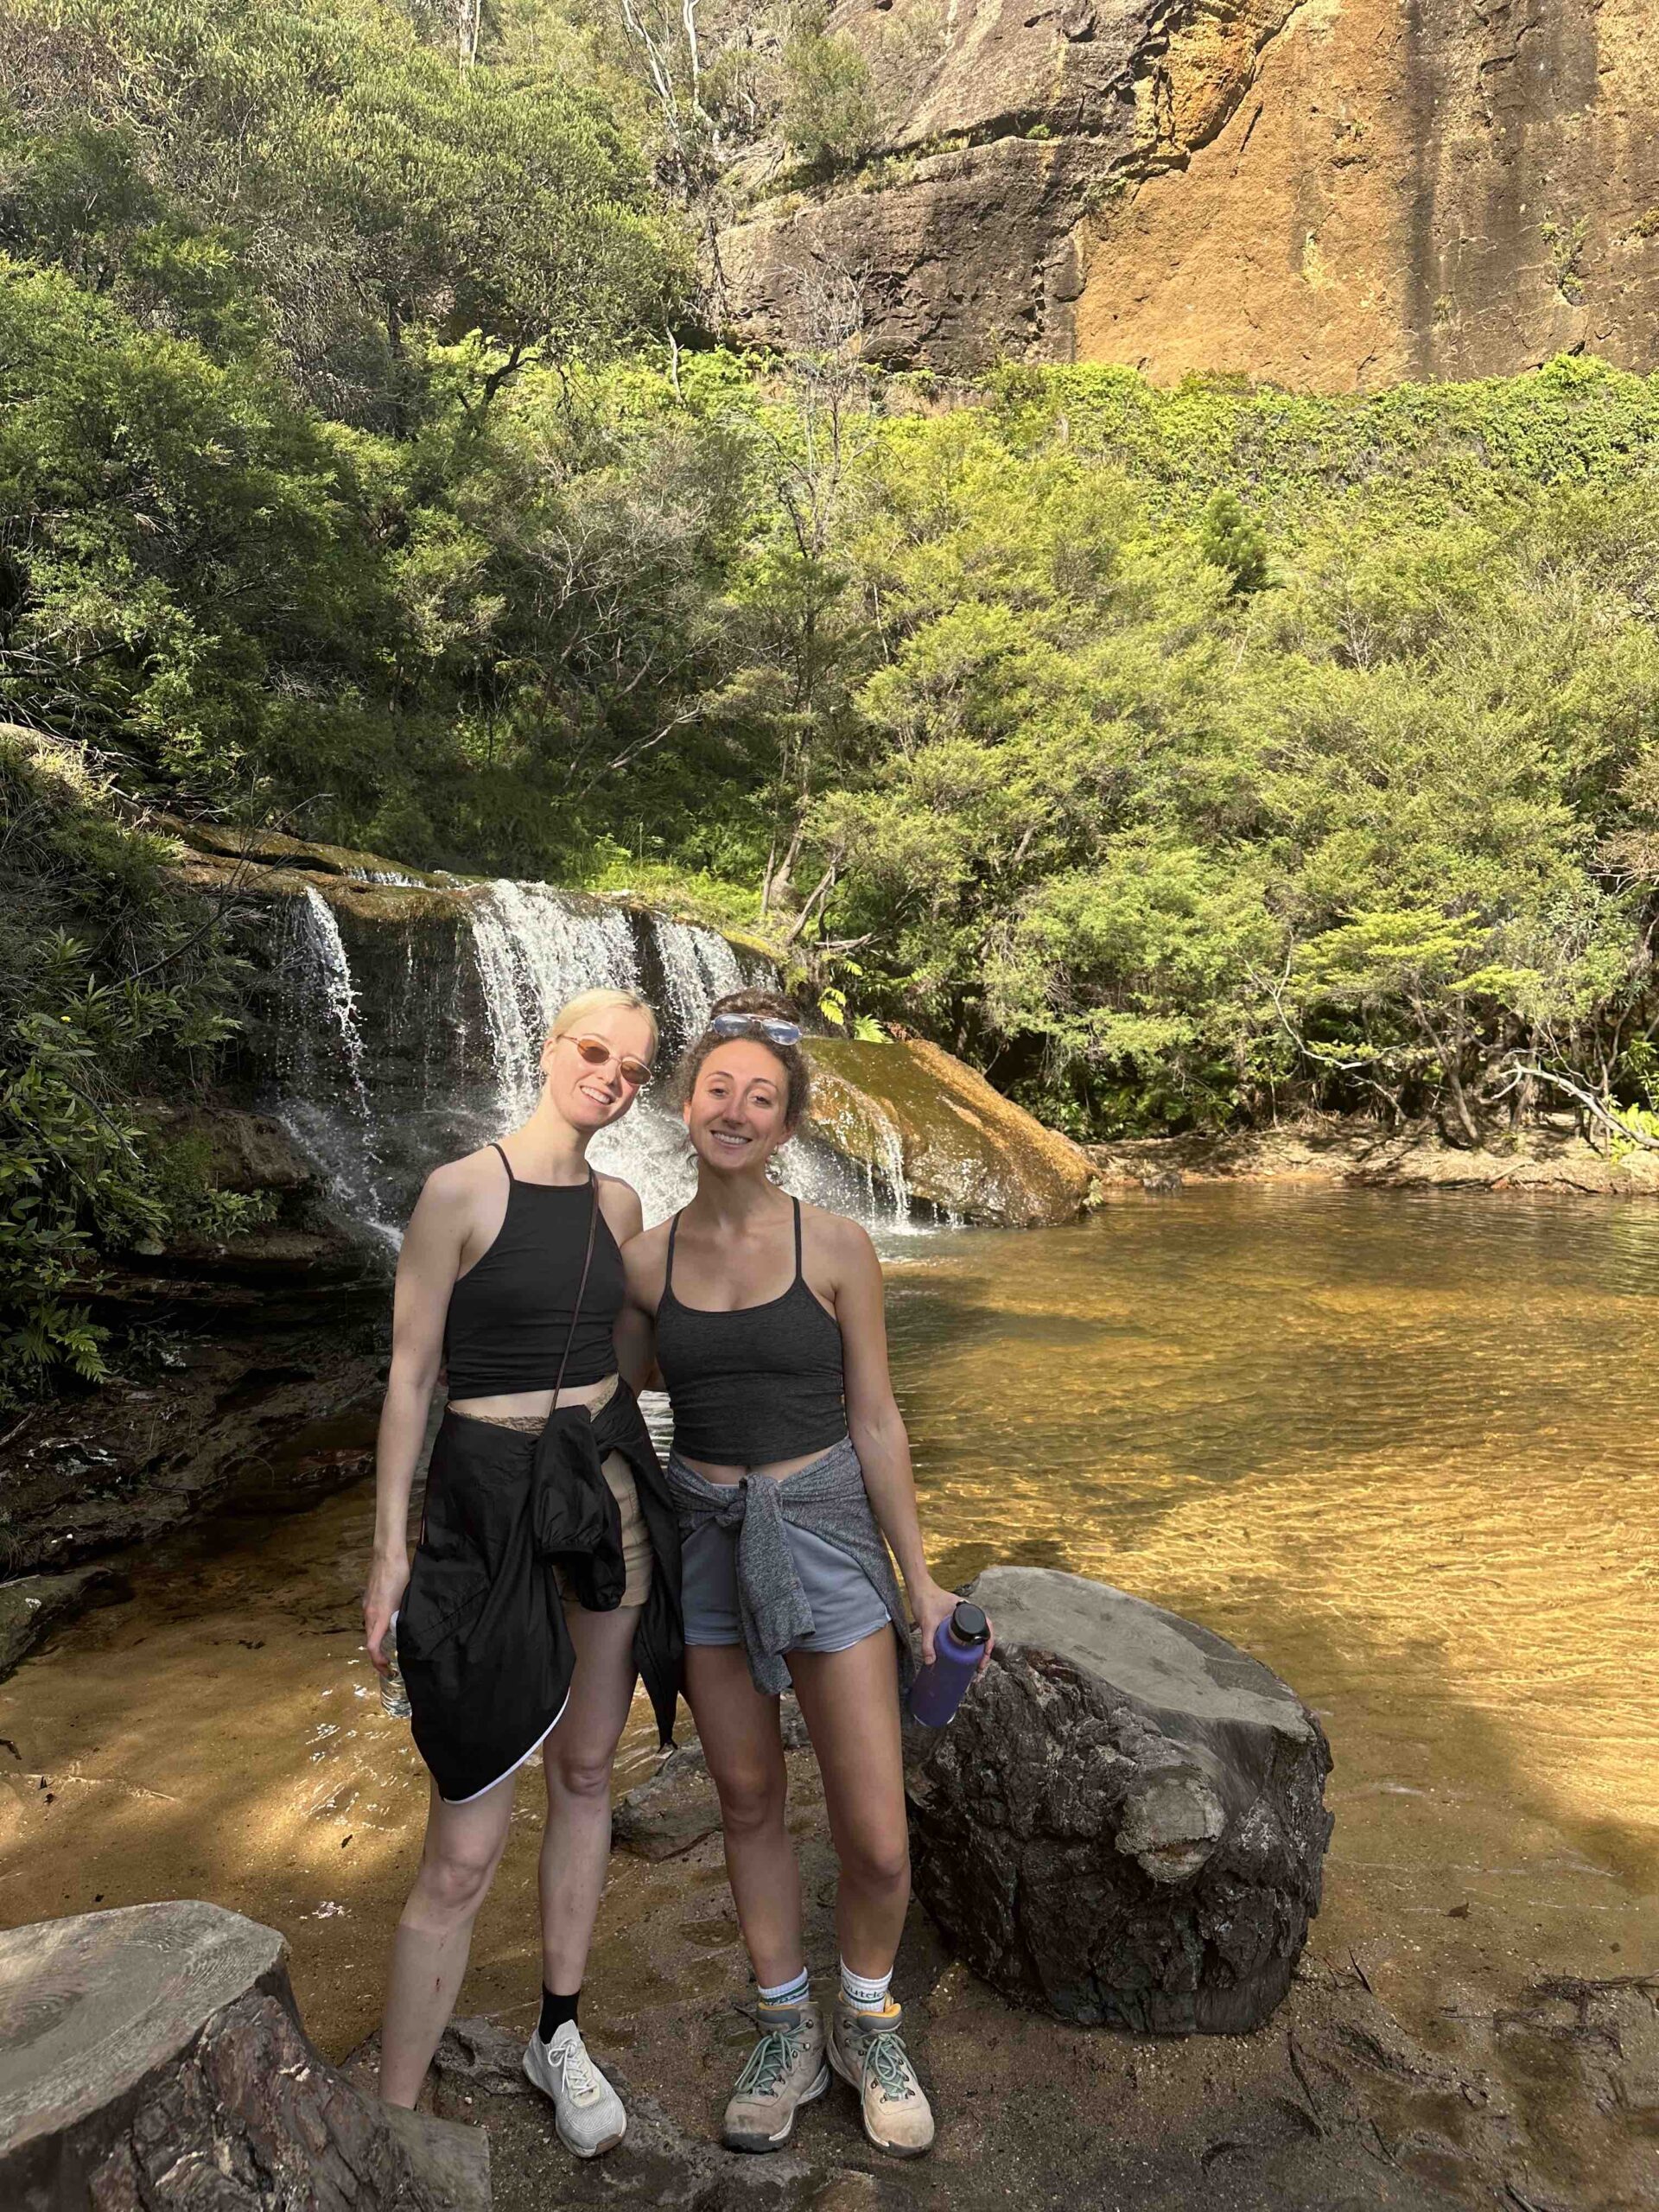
point(587, 2109)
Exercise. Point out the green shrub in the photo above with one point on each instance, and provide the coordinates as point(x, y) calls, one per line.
point(830, 116)
point(113, 988)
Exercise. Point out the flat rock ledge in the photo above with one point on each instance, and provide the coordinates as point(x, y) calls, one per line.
point(1125, 1823)
point(154, 2057)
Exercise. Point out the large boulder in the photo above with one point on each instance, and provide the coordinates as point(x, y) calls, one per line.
point(154, 2058)
point(1125, 1823)
point(912, 1115)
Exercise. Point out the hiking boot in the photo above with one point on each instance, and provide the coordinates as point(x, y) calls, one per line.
point(784, 2071)
point(867, 2050)
point(586, 2109)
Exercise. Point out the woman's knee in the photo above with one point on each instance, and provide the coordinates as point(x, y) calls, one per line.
point(753, 1798)
point(876, 1858)
point(583, 1771)
point(452, 1885)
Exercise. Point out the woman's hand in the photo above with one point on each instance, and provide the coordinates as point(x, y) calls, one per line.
point(931, 1605)
point(388, 1579)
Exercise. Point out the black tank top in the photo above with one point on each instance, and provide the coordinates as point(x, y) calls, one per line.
point(509, 1313)
point(761, 1382)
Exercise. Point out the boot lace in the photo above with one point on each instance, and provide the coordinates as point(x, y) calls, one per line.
point(890, 2062)
point(769, 2061)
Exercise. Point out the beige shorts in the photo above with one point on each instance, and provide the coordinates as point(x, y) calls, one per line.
point(636, 1536)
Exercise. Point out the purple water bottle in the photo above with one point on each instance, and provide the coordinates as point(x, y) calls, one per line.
point(960, 1645)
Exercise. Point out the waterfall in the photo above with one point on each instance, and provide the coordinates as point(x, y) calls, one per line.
point(332, 972)
point(338, 1131)
point(536, 947)
point(890, 1168)
point(698, 968)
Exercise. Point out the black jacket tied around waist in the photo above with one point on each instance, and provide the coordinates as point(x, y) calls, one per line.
point(481, 1635)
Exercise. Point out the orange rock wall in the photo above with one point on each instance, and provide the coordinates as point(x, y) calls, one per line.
point(1400, 189)
point(1325, 194)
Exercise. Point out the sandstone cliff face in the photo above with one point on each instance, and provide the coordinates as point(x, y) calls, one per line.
point(1326, 193)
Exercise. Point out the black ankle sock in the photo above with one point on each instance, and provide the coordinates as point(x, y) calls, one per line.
point(556, 2010)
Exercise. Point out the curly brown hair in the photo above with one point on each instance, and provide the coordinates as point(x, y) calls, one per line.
point(797, 1085)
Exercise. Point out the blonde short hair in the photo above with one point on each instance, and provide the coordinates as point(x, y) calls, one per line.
point(602, 1001)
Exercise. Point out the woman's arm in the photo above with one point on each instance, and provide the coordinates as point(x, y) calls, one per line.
point(877, 1428)
point(635, 1355)
point(427, 1268)
point(636, 1326)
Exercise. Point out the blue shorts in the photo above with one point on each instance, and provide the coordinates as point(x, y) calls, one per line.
point(846, 1606)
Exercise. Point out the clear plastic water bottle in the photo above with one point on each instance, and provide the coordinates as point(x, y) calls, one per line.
point(958, 1648)
point(394, 1697)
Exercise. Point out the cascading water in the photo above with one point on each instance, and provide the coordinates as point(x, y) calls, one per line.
point(888, 1174)
point(334, 1122)
point(334, 973)
point(698, 968)
point(535, 950)
point(536, 947)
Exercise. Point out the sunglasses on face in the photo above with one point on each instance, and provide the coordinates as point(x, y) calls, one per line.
point(597, 1054)
point(738, 1025)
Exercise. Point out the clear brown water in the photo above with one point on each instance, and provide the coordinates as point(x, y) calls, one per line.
point(1400, 1448)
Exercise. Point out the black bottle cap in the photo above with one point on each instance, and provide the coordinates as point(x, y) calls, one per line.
point(970, 1626)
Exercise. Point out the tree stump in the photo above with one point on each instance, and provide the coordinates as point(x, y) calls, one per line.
point(1125, 1823)
point(152, 2060)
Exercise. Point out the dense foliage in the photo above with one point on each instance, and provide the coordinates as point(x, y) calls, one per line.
point(112, 985)
point(1181, 756)
point(1185, 829)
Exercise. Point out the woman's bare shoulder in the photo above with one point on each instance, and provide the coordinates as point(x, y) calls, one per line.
point(472, 1172)
point(454, 1199)
point(620, 1203)
point(650, 1246)
point(644, 1262)
point(844, 1245)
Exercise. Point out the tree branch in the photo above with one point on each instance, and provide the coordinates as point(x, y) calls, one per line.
point(1586, 1098)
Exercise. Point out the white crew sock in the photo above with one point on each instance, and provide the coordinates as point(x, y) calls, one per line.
point(864, 1992)
point(792, 1992)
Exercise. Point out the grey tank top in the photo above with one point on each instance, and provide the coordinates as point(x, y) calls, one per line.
point(759, 1383)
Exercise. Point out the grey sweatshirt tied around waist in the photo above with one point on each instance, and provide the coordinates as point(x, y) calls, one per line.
point(828, 1500)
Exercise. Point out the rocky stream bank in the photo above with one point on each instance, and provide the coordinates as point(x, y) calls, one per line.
point(1549, 1155)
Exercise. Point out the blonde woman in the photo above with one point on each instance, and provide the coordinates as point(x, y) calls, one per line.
point(546, 1576)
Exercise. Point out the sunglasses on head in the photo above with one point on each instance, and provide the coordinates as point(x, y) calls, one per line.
point(736, 1025)
point(634, 1073)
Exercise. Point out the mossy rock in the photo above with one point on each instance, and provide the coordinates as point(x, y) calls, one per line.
point(273, 849)
point(967, 1149)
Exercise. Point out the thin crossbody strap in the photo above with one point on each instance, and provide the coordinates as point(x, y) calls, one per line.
point(586, 1263)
